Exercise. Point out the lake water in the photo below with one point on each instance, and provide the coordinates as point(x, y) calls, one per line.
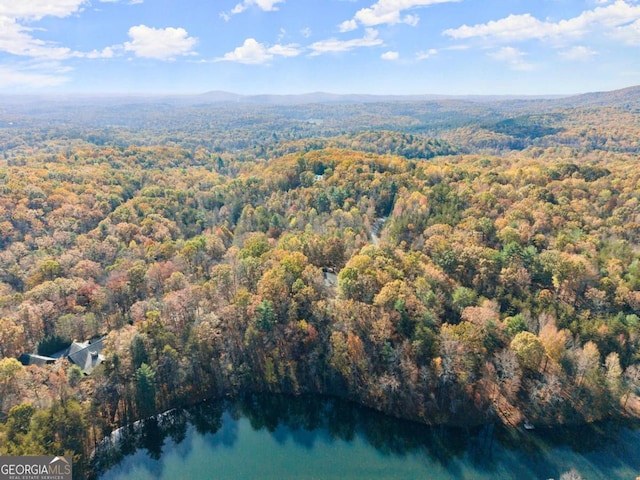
point(281, 437)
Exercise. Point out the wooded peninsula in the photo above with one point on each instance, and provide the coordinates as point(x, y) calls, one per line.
point(448, 261)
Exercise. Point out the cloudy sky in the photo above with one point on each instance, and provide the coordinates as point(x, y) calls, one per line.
point(339, 46)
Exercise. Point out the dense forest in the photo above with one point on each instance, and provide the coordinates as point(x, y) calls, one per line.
point(447, 262)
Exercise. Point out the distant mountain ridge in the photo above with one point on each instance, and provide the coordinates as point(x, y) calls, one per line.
point(613, 97)
point(621, 97)
point(325, 97)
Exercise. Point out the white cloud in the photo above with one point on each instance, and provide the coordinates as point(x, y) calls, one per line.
point(513, 27)
point(578, 53)
point(526, 27)
point(19, 39)
point(513, 57)
point(159, 43)
point(333, 45)
point(629, 34)
point(285, 50)
point(458, 47)
point(266, 5)
point(107, 52)
point(12, 77)
point(306, 32)
point(388, 12)
point(252, 52)
point(15, 39)
point(411, 20)
point(37, 9)
point(390, 56)
point(348, 26)
point(426, 54)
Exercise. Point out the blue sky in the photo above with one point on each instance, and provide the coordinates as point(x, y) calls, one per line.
point(338, 46)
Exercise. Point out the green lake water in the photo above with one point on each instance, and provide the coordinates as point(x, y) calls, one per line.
point(280, 437)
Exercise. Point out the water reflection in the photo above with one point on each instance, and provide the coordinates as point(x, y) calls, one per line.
point(304, 419)
point(313, 427)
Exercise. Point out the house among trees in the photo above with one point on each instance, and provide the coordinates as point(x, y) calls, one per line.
point(86, 355)
point(330, 277)
point(34, 359)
